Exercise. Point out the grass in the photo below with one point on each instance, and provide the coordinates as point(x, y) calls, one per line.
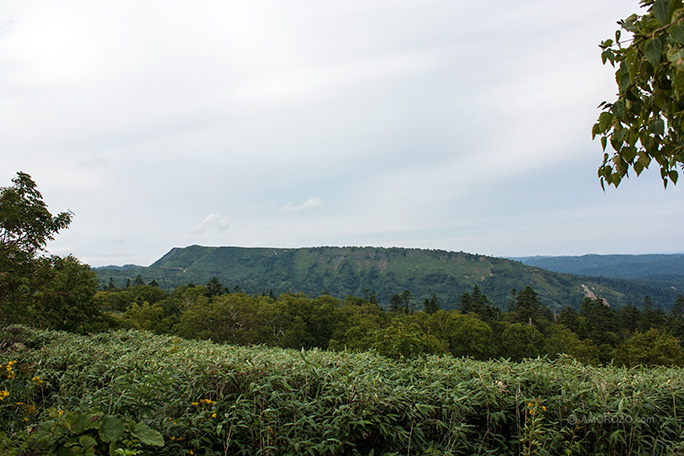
point(212, 399)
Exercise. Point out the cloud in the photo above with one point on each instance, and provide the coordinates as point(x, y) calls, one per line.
point(212, 222)
point(308, 204)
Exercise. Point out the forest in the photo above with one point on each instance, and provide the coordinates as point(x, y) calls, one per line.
point(594, 334)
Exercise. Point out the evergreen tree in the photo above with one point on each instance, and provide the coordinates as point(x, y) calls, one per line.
point(432, 305)
point(465, 303)
point(395, 304)
point(214, 287)
point(525, 307)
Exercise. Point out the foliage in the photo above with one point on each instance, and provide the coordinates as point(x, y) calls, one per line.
point(26, 226)
point(646, 122)
point(651, 348)
point(213, 399)
point(591, 334)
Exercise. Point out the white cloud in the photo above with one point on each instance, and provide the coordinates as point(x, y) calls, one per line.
point(306, 205)
point(212, 222)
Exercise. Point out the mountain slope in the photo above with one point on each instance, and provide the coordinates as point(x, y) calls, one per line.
point(647, 267)
point(358, 271)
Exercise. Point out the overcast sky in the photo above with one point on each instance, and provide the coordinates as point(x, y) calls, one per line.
point(446, 124)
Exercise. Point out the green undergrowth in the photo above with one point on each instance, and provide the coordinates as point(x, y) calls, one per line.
point(131, 392)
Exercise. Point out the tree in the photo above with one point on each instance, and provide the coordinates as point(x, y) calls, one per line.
point(65, 301)
point(432, 305)
point(525, 307)
point(465, 334)
point(214, 287)
point(26, 226)
point(646, 122)
point(651, 348)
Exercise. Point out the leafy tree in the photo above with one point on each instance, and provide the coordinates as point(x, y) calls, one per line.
point(465, 334)
point(561, 340)
point(404, 340)
point(26, 226)
point(65, 301)
point(520, 341)
point(646, 122)
point(651, 348)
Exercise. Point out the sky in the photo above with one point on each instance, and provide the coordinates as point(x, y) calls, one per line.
point(441, 124)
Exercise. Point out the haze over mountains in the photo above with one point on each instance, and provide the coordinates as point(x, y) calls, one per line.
point(359, 271)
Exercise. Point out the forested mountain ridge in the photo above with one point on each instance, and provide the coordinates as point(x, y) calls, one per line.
point(658, 267)
point(361, 271)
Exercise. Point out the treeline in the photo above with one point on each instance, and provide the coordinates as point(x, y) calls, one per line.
point(594, 334)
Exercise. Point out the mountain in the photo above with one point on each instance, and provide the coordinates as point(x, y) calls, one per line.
point(659, 268)
point(358, 271)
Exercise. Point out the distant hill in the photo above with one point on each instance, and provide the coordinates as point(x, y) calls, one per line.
point(659, 268)
point(358, 271)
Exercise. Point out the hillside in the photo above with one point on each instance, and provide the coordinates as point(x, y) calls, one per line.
point(646, 267)
point(358, 271)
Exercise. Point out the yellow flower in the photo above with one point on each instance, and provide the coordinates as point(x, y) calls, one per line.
point(195, 404)
point(60, 412)
point(37, 380)
point(213, 415)
point(3, 394)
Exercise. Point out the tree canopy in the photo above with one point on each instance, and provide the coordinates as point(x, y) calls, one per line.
point(646, 122)
point(52, 292)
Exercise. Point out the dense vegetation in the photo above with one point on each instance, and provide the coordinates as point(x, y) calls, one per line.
point(596, 333)
point(344, 271)
point(136, 392)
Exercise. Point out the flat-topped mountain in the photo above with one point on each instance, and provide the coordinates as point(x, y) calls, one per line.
point(361, 271)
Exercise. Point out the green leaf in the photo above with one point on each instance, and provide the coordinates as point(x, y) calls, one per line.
point(673, 175)
point(638, 167)
point(112, 428)
point(87, 442)
point(677, 59)
point(677, 32)
point(147, 435)
point(661, 10)
point(653, 49)
point(605, 121)
point(658, 127)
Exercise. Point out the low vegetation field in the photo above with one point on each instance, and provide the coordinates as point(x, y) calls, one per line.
point(132, 392)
